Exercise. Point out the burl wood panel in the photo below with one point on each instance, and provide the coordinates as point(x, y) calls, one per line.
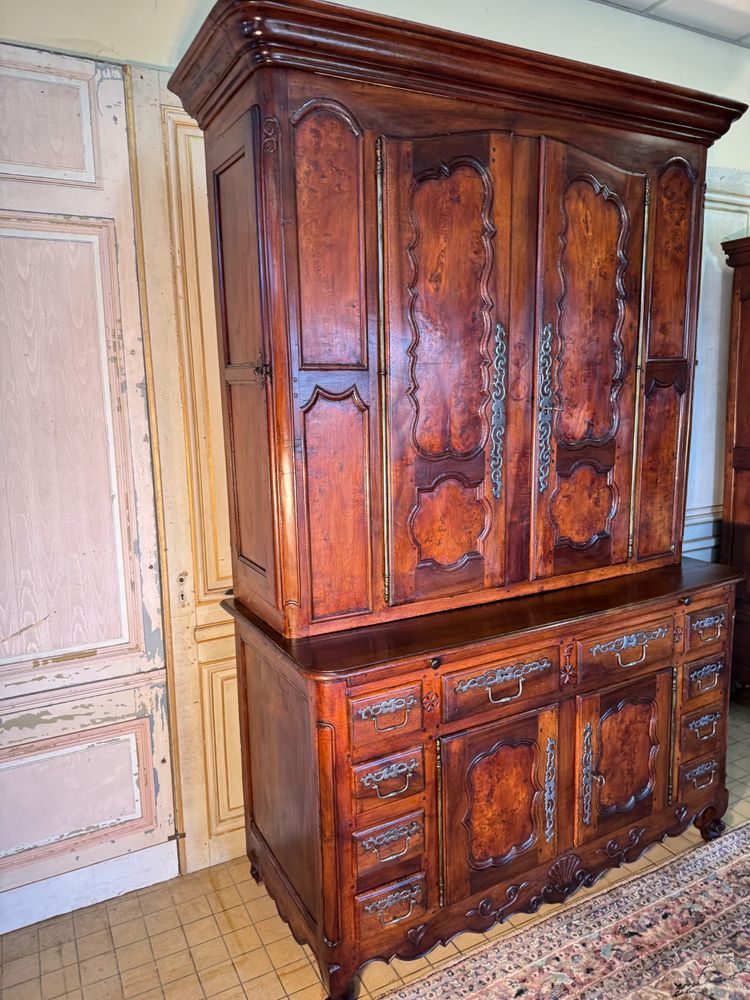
point(330, 235)
point(239, 278)
point(663, 419)
point(338, 516)
point(446, 199)
point(673, 207)
point(284, 810)
point(627, 738)
point(500, 825)
point(592, 245)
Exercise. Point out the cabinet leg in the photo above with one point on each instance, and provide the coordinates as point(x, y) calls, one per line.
point(709, 824)
point(255, 872)
point(342, 985)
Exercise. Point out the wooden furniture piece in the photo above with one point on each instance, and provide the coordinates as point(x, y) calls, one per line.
point(457, 287)
point(735, 539)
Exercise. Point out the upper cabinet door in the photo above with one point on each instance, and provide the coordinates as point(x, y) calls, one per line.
point(592, 221)
point(446, 207)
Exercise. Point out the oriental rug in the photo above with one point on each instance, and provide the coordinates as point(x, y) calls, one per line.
point(681, 930)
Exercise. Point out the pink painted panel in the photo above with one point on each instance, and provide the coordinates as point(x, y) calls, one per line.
point(46, 790)
point(62, 586)
point(50, 122)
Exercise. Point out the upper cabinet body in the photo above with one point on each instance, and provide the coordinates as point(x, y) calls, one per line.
point(457, 289)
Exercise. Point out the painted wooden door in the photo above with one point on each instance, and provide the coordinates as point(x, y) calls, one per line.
point(592, 223)
point(179, 306)
point(85, 775)
point(446, 231)
point(623, 755)
point(499, 800)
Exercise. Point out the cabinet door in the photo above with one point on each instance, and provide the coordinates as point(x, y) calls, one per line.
point(623, 755)
point(499, 801)
point(446, 238)
point(590, 279)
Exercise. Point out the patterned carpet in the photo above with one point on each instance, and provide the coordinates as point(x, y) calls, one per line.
point(682, 930)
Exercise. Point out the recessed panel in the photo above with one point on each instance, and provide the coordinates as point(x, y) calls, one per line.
point(330, 238)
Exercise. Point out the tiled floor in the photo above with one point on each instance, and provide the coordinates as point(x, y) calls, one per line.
point(217, 934)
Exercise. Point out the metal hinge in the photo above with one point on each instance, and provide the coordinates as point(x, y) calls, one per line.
point(647, 199)
point(262, 370)
point(379, 156)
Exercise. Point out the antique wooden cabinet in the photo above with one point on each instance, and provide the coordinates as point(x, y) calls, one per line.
point(735, 541)
point(457, 292)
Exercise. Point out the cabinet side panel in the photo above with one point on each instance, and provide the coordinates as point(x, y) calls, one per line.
point(663, 419)
point(247, 414)
point(279, 756)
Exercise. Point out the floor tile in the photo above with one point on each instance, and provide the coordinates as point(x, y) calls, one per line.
point(94, 944)
point(188, 988)
point(60, 982)
point(253, 964)
point(139, 980)
point(20, 970)
point(133, 955)
point(176, 966)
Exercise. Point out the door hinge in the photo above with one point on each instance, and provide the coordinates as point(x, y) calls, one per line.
point(379, 156)
point(177, 836)
point(262, 370)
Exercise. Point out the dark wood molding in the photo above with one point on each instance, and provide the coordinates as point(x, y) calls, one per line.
point(241, 36)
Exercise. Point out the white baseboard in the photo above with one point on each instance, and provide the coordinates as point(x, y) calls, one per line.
point(702, 539)
point(29, 903)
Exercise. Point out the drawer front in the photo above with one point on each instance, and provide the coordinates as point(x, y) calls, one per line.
point(707, 628)
point(705, 679)
point(381, 851)
point(393, 908)
point(702, 731)
point(627, 650)
point(388, 779)
point(699, 778)
point(388, 714)
point(509, 682)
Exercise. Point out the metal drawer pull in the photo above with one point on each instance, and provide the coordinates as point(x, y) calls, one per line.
point(389, 707)
point(696, 773)
point(518, 672)
point(374, 778)
point(702, 625)
point(381, 906)
point(709, 670)
point(630, 641)
point(705, 720)
point(398, 833)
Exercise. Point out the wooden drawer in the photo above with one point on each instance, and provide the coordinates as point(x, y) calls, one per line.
point(386, 715)
point(699, 778)
point(707, 628)
point(704, 679)
point(393, 908)
point(626, 650)
point(384, 852)
point(491, 685)
point(702, 732)
point(388, 779)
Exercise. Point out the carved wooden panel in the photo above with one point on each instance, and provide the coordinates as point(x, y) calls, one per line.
point(247, 406)
point(499, 800)
point(623, 756)
point(336, 483)
point(664, 418)
point(673, 207)
point(592, 246)
point(446, 204)
point(330, 236)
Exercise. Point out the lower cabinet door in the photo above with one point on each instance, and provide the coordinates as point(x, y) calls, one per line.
point(499, 801)
point(622, 772)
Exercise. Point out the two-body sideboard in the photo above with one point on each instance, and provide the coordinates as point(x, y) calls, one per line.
point(457, 294)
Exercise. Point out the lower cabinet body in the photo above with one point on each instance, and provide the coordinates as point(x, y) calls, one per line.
point(400, 791)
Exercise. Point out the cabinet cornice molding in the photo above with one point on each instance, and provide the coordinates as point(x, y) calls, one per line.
point(241, 36)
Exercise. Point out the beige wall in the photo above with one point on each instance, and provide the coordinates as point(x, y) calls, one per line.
point(156, 32)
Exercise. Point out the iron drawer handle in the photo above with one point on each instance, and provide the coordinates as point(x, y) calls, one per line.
point(387, 707)
point(510, 697)
point(710, 670)
point(697, 724)
point(716, 622)
point(709, 767)
point(380, 906)
point(633, 663)
point(405, 833)
point(393, 770)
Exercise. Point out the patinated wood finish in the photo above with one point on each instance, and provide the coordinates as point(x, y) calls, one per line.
point(457, 311)
point(416, 779)
point(735, 541)
point(457, 290)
